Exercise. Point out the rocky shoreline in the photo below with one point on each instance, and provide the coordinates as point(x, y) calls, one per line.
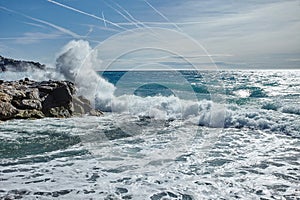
point(8, 64)
point(28, 99)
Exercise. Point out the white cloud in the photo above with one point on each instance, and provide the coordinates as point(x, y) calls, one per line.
point(249, 31)
point(34, 37)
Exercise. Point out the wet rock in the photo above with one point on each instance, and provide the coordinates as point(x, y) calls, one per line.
point(121, 190)
point(7, 111)
point(5, 97)
point(95, 113)
point(60, 112)
point(25, 99)
point(83, 106)
point(59, 97)
point(32, 94)
point(30, 114)
point(31, 104)
point(8, 64)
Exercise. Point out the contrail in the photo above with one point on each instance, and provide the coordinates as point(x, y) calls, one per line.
point(133, 19)
point(104, 20)
point(56, 27)
point(34, 24)
point(120, 13)
point(162, 15)
point(167, 23)
point(91, 29)
point(64, 30)
point(87, 14)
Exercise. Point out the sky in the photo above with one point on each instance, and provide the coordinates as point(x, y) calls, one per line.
point(231, 34)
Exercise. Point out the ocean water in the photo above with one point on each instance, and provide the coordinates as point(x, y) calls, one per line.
point(164, 135)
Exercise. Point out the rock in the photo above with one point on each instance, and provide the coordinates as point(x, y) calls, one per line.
point(5, 97)
point(31, 104)
point(58, 103)
point(8, 64)
point(27, 99)
point(95, 113)
point(45, 88)
point(81, 107)
point(84, 100)
point(77, 106)
point(7, 111)
point(29, 114)
point(15, 94)
point(32, 93)
point(60, 112)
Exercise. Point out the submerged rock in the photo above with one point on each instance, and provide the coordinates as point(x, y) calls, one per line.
point(26, 99)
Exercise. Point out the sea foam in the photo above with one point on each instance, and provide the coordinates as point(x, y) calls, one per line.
point(76, 62)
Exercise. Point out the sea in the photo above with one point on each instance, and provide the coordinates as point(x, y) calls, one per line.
point(179, 134)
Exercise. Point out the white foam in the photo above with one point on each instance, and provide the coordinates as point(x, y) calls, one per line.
point(89, 83)
point(69, 65)
point(101, 93)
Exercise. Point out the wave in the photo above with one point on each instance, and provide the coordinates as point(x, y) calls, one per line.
point(69, 65)
point(276, 106)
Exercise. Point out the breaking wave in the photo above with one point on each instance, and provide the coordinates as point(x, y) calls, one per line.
point(69, 65)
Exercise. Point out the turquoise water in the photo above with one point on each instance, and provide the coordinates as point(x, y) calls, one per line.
point(166, 135)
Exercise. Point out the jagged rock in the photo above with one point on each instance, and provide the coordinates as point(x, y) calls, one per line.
point(60, 112)
point(31, 104)
point(82, 105)
point(29, 114)
point(84, 100)
point(8, 64)
point(95, 113)
point(77, 106)
point(7, 111)
point(29, 99)
point(57, 97)
point(15, 94)
point(32, 94)
point(5, 97)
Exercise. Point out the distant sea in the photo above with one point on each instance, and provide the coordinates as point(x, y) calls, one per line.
point(165, 135)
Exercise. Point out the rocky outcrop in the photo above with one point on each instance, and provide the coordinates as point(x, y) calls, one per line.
point(25, 99)
point(8, 64)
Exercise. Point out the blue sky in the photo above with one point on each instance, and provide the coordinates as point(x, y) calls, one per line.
point(237, 34)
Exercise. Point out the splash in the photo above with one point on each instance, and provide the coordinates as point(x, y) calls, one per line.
point(89, 83)
point(76, 62)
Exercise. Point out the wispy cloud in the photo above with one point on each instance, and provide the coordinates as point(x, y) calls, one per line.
point(255, 32)
point(34, 37)
point(162, 15)
point(35, 24)
point(121, 14)
point(63, 30)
